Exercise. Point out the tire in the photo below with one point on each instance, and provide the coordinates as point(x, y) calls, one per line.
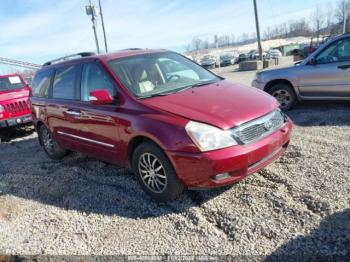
point(51, 147)
point(149, 164)
point(284, 94)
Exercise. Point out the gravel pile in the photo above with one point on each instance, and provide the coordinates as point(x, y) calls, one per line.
point(297, 205)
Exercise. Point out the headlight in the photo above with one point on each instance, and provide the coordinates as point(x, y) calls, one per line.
point(208, 137)
point(1, 109)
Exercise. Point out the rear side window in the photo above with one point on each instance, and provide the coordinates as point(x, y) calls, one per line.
point(41, 84)
point(64, 85)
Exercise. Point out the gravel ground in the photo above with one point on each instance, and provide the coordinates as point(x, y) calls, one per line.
point(297, 205)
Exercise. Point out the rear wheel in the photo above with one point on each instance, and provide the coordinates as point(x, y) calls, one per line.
point(155, 173)
point(284, 94)
point(52, 149)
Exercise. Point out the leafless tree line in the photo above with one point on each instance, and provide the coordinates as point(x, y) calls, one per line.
point(329, 19)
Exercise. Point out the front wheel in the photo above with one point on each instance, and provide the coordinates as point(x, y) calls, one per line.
point(155, 173)
point(284, 94)
point(52, 149)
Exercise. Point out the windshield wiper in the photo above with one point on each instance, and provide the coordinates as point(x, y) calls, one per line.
point(154, 95)
point(178, 90)
point(196, 85)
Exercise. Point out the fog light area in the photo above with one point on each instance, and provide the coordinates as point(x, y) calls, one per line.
point(221, 176)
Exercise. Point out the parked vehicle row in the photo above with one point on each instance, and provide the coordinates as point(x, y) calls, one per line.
point(174, 123)
point(226, 59)
point(270, 54)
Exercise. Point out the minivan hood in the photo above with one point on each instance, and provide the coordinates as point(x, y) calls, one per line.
point(14, 94)
point(223, 104)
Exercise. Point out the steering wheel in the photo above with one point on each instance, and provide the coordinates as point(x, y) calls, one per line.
point(333, 59)
point(173, 76)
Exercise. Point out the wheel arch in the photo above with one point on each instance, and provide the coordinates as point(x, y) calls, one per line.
point(38, 125)
point(271, 83)
point(274, 82)
point(135, 142)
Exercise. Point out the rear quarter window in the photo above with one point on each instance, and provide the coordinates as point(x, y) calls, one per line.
point(41, 84)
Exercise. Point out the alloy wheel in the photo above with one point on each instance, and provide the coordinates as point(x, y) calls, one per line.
point(47, 141)
point(283, 97)
point(152, 172)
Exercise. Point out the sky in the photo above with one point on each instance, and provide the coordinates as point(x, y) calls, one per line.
point(40, 30)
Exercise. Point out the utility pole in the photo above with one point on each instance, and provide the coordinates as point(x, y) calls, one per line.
point(91, 10)
point(258, 30)
point(103, 26)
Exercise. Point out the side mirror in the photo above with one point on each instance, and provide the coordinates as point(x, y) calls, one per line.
point(312, 61)
point(100, 97)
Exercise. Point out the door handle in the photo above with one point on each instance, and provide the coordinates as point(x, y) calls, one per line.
point(73, 112)
point(344, 67)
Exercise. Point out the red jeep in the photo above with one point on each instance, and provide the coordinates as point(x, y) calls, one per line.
point(14, 101)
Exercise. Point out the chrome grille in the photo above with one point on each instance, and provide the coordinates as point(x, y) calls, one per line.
point(258, 128)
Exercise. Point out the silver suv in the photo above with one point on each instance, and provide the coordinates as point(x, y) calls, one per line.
point(324, 75)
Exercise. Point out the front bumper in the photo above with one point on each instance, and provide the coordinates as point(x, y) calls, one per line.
point(11, 122)
point(198, 170)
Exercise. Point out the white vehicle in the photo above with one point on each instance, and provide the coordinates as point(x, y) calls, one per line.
point(256, 55)
point(273, 54)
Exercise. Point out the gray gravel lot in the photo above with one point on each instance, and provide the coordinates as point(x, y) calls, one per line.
point(297, 205)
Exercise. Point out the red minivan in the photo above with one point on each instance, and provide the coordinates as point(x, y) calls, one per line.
point(14, 101)
point(176, 124)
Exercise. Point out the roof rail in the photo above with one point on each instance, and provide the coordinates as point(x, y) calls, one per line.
point(82, 54)
point(131, 49)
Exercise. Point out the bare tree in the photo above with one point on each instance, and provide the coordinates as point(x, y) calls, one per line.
point(299, 28)
point(329, 18)
point(328, 21)
point(205, 44)
point(343, 12)
point(232, 39)
point(244, 38)
point(284, 30)
point(196, 43)
point(318, 20)
point(188, 47)
point(267, 34)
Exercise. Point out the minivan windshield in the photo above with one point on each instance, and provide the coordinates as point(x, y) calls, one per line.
point(10, 82)
point(163, 73)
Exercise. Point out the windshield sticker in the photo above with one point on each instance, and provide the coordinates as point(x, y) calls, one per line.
point(14, 80)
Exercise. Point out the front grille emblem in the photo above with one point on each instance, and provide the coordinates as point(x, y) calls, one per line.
point(268, 125)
